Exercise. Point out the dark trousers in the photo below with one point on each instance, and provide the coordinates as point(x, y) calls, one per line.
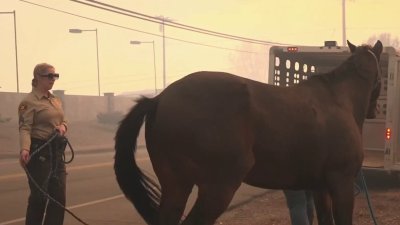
point(48, 170)
point(301, 206)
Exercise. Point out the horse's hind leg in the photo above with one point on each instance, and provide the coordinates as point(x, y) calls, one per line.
point(175, 192)
point(212, 201)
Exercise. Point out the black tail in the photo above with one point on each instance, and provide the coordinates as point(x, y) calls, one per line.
point(141, 190)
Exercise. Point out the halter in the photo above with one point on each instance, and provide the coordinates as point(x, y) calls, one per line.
point(378, 79)
point(376, 87)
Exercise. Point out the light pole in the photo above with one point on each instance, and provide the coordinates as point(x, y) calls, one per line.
point(78, 31)
point(15, 42)
point(154, 61)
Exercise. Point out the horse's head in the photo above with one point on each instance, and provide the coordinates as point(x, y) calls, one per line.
point(366, 59)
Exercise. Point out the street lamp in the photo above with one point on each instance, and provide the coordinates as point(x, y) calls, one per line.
point(78, 31)
point(154, 61)
point(15, 42)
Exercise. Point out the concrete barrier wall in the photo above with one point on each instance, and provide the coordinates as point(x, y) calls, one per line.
point(76, 107)
point(9, 104)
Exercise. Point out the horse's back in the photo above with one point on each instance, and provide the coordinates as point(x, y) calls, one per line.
point(207, 89)
point(205, 96)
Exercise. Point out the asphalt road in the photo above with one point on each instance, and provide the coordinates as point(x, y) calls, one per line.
point(92, 192)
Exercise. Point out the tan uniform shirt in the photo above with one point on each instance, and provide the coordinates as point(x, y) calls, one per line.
point(38, 117)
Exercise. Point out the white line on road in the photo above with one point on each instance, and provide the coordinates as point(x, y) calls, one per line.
point(95, 202)
point(70, 207)
point(13, 221)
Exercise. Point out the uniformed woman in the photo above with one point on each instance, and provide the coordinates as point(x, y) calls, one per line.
point(40, 116)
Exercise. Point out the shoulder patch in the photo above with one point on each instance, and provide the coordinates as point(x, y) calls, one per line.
point(22, 107)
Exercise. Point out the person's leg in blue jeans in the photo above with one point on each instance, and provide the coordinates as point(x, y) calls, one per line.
point(301, 206)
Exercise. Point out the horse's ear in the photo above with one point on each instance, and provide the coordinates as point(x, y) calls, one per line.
point(351, 46)
point(377, 49)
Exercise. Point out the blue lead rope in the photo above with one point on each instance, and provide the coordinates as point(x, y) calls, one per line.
point(364, 186)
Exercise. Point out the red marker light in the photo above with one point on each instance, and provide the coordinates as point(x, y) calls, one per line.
point(292, 49)
point(388, 133)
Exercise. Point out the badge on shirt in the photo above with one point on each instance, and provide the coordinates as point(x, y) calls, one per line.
point(22, 107)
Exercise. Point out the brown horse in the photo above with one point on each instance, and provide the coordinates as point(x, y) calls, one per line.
point(216, 130)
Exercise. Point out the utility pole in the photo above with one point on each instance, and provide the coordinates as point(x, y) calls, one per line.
point(162, 27)
point(344, 21)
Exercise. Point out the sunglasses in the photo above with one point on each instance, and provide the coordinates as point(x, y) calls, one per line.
point(51, 76)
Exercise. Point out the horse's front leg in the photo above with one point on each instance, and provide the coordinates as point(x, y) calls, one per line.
point(323, 207)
